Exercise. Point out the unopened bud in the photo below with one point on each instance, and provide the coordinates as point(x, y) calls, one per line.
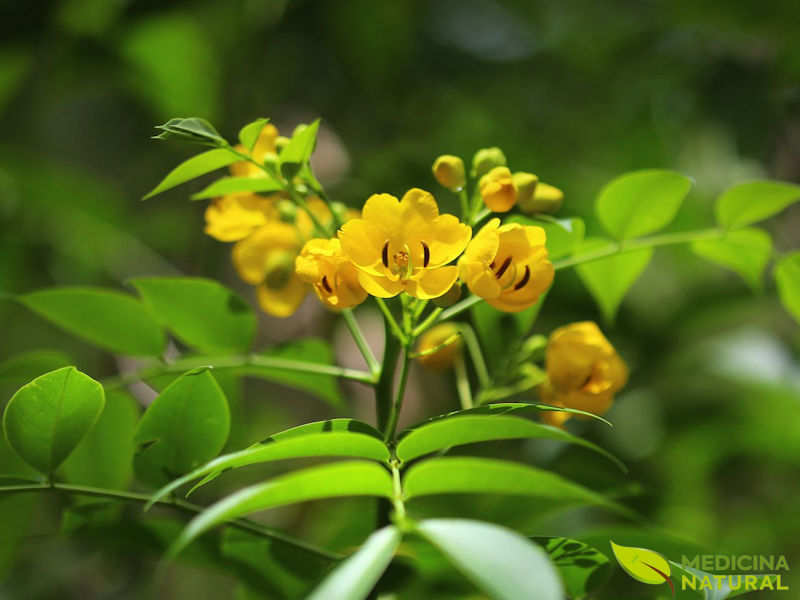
point(546, 199)
point(450, 297)
point(287, 211)
point(526, 186)
point(439, 347)
point(449, 172)
point(278, 269)
point(280, 142)
point(487, 159)
point(497, 189)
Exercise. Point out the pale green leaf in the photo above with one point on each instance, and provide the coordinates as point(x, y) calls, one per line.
point(233, 185)
point(47, 418)
point(198, 165)
point(352, 478)
point(186, 426)
point(754, 201)
point(344, 444)
point(641, 202)
point(469, 429)
point(341, 424)
point(609, 279)
point(298, 150)
point(109, 319)
point(746, 251)
point(355, 577)
point(248, 135)
point(787, 277)
point(202, 313)
point(500, 561)
point(502, 408)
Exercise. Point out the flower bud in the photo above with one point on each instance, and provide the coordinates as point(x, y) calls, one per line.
point(546, 199)
point(450, 297)
point(280, 142)
point(278, 269)
point(449, 172)
point(287, 211)
point(487, 159)
point(439, 347)
point(526, 186)
point(497, 190)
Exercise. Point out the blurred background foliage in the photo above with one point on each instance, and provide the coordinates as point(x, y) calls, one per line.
point(575, 91)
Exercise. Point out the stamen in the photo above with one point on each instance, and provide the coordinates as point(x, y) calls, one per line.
point(525, 278)
point(385, 254)
point(326, 285)
point(503, 268)
point(426, 258)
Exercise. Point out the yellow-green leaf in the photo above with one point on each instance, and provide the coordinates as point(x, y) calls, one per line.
point(642, 564)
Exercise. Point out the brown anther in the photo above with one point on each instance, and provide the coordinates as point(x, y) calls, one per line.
point(525, 278)
point(503, 268)
point(401, 258)
point(326, 285)
point(426, 254)
point(385, 254)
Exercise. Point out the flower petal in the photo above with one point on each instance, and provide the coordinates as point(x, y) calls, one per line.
point(285, 301)
point(432, 283)
point(379, 286)
point(250, 254)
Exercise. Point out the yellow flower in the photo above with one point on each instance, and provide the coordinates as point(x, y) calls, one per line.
point(404, 245)
point(449, 172)
point(265, 144)
point(447, 339)
point(583, 369)
point(333, 277)
point(498, 190)
point(266, 259)
point(235, 216)
point(507, 265)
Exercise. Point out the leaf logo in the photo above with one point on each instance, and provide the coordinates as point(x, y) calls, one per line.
point(643, 565)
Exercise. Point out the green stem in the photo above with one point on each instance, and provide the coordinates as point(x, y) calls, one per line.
point(301, 202)
point(239, 361)
point(361, 342)
point(462, 383)
point(385, 385)
point(429, 320)
point(474, 349)
point(463, 197)
point(399, 396)
point(390, 320)
point(397, 500)
point(181, 505)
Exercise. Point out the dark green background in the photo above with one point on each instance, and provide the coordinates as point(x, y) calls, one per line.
point(575, 91)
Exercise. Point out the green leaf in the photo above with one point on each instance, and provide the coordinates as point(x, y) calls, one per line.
point(641, 202)
point(355, 577)
point(24, 367)
point(787, 277)
point(754, 201)
point(563, 235)
point(198, 165)
point(583, 569)
point(609, 279)
point(314, 350)
point(469, 429)
point(184, 427)
point(352, 478)
point(200, 312)
point(341, 424)
point(298, 150)
point(746, 251)
point(501, 408)
point(104, 457)
point(48, 417)
point(192, 129)
point(248, 135)
point(232, 185)
point(112, 320)
point(500, 561)
point(488, 476)
point(352, 445)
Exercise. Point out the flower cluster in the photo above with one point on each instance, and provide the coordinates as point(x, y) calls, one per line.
point(584, 371)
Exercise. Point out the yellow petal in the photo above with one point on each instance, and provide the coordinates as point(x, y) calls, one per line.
point(382, 287)
point(432, 283)
point(283, 302)
point(363, 244)
point(250, 254)
point(234, 217)
point(446, 238)
point(383, 211)
point(483, 247)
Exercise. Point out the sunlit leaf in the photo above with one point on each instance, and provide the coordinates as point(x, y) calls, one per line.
point(200, 312)
point(353, 478)
point(642, 564)
point(248, 135)
point(233, 185)
point(500, 561)
point(468, 429)
point(502, 408)
point(298, 150)
point(340, 444)
point(754, 201)
point(198, 165)
point(609, 279)
point(787, 277)
point(746, 251)
point(184, 427)
point(109, 319)
point(47, 418)
point(355, 577)
point(341, 424)
point(641, 202)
